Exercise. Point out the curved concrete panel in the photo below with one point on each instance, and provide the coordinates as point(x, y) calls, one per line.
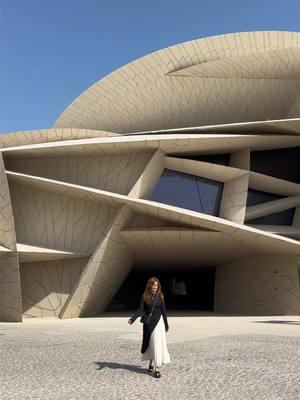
point(75, 208)
point(247, 76)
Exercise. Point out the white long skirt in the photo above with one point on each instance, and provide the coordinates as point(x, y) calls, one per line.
point(157, 349)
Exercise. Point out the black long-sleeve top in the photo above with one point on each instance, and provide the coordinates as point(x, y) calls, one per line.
point(158, 310)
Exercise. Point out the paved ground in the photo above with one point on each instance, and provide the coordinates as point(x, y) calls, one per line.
point(212, 357)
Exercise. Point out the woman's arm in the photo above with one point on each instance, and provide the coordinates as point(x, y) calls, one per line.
point(139, 311)
point(164, 314)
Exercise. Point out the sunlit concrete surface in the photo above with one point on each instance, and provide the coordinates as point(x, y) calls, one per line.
point(212, 357)
point(87, 205)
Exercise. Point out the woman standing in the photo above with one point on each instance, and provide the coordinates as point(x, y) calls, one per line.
point(154, 345)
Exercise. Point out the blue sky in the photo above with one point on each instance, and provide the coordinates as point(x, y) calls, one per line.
point(52, 50)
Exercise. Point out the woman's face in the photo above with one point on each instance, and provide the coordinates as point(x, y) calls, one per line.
point(154, 286)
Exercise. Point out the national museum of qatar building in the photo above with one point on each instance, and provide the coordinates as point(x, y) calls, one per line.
point(183, 164)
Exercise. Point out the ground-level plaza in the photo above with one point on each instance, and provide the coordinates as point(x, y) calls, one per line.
point(213, 356)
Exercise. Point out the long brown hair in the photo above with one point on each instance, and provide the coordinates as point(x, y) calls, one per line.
point(148, 290)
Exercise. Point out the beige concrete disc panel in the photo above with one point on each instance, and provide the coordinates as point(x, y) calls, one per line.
point(46, 285)
point(48, 135)
point(258, 285)
point(75, 213)
point(10, 288)
point(83, 219)
point(237, 77)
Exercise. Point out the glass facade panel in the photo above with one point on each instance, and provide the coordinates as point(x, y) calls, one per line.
point(280, 163)
point(188, 191)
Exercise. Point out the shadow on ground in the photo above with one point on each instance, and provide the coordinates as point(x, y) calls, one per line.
point(277, 322)
point(129, 367)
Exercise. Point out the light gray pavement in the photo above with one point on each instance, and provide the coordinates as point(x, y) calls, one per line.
point(212, 357)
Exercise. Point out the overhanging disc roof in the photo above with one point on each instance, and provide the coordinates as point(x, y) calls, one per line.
point(240, 77)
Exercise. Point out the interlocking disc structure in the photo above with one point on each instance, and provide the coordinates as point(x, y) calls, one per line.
point(182, 162)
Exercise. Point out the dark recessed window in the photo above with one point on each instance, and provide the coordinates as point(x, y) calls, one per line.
point(188, 191)
point(256, 197)
point(222, 159)
point(280, 218)
point(280, 163)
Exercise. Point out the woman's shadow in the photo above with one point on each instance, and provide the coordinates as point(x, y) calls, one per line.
point(129, 367)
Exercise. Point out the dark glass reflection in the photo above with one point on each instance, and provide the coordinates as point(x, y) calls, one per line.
point(222, 159)
point(280, 163)
point(280, 218)
point(257, 197)
point(188, 191)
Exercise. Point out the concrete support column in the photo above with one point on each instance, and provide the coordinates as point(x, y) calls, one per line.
point(103, 274)
point(149, 177)
point(10, 286)
point(296, 219)
point(271, 207)
point(234, 199)
point(240, 159)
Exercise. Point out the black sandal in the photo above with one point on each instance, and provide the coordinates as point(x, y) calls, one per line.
point(151, 368)
point(157, 374)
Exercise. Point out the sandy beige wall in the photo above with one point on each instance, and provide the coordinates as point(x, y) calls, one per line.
point(10, 288)
point(58, 221)
point(261, 285)
point(116, 173)
point(47, 285)
point(104, 273)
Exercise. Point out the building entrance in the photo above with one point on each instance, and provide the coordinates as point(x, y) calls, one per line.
point(184, 289)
